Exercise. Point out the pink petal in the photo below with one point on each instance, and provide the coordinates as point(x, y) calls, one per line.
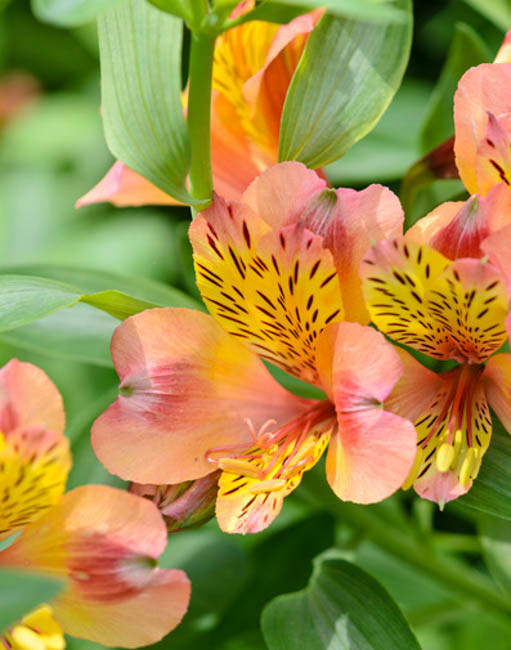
point(186, 387)
point(482, 90)
point(104, 542)
point(497, 247)
point(374, 450)
point(123, 187)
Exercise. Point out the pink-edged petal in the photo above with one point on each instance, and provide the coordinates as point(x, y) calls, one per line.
point(414, 390)
point(104, 542)
point(457, 229)
point(493, 159)
point(482, 90)
point(497, 382)
point(504, 53)
point(124, 187)
point(28, 398)
point(349, 222)
point(280, 194)
point(373, 452)
point(186, 387)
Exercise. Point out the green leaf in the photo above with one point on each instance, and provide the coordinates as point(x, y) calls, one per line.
point(80, 334)
point(70, 13)
point(498, 11)
point(91, 281)
point(20, 592)
point(376, 11)
point(495, 536)
point(24, 299)
point(345, 80)
point(466, 50)
point(491, 492)
point(179, 8)
point(342, 607)
point(140, 51)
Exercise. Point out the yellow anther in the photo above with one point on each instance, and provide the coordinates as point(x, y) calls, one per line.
point(415, 469)
point(469, 463)
point(268, 486)
point(235, 466)
point(444, 457)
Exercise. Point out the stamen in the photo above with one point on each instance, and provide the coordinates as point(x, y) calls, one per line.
point(236, 466)
point(268, 486)
point(444, 457)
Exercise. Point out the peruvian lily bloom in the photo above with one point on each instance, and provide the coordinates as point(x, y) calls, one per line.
point(195, 396)
point(441, 290)
point(253, 67)
point(102, 542)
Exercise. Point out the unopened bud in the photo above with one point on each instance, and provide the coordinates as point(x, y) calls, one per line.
point(183, 505)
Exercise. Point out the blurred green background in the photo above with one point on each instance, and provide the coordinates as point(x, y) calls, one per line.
point(52, 151)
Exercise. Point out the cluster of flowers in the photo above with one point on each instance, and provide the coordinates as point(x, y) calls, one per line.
point(292, 273)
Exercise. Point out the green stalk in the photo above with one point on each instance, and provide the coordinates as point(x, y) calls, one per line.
point(407, 546)
point(199, 117)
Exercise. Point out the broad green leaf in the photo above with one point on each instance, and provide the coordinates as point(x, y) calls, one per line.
point(24, 299)
point(79, 334)
point(466, 50)
point(491, 492)
point(20, 592)
point(345, 80)
point(70, 13)
point(342, 607)
point(376, 11)
point(140, 51)
point(495, 536)
point(92, 281)
point(498, 11)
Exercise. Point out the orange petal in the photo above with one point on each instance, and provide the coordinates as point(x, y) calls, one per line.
point(124, 187)
point(34, 454)
point(373, 451)
point(482, 90)
point(497, 381)
point(273, 289)
point(186, 387)
point(104, 543)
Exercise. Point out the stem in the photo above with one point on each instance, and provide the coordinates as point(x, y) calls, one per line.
point(199, 117)
point(467, 582)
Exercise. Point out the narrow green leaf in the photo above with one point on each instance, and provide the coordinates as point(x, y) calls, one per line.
point(346, 78)
point(180, 8)
point(116, 303)
point(375, 11)
point(24, 299)
point(342, 607)
point(495, 536)
point(70, 13)
point(498, 11)
point(466, 50)
point(140, 51)
point(20, 592)
point(491, 492)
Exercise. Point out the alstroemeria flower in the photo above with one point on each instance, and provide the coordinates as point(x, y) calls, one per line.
point(436, 292)
point(195, 397)
point(34, 453)
point(253, 67)
point(482, 119)
point(103, 543)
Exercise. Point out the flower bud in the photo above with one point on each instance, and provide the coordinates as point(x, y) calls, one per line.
point(183, 505)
